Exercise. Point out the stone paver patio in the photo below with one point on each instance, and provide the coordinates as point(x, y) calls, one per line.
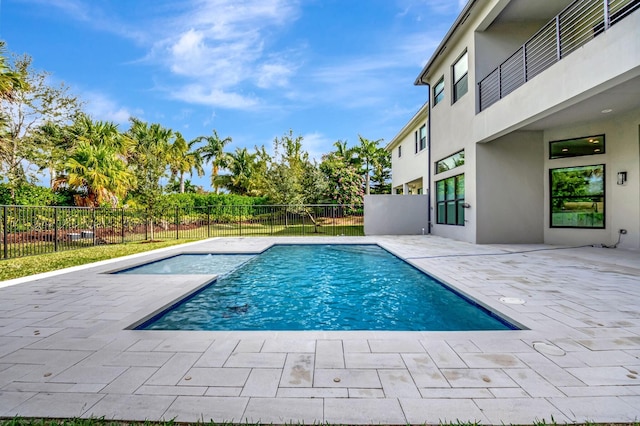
point(65, 350)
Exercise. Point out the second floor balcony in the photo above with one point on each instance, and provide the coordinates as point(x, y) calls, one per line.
point(579, 23)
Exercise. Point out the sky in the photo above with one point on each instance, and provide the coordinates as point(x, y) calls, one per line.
point(250, 69)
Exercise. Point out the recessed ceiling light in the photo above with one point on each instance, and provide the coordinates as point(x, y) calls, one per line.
point(596, 150)
point(606, 111)
point(565, 149)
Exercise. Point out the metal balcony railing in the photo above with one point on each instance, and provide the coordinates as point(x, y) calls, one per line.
point(577, 24)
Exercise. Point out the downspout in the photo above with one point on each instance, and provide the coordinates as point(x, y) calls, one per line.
point(429, 164)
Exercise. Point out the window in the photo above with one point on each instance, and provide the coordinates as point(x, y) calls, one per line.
point(399, 151)
point(423, 137)
point(415, 136)
point(450, 201)
point(451, 162)
point(438, 91)
point(460, 72)
point(590, 145)
point(577, 197)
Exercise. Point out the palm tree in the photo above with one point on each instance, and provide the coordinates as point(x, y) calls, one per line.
point(213, 152)
point(241, 166)
point(367, 153)
point(10, 81)
point(96, 163)
point(183, 159)
point(99, 172)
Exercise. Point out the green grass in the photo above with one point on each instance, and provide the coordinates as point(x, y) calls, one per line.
point(25, 266)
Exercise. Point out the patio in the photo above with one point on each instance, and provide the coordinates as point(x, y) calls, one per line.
point(65, 350)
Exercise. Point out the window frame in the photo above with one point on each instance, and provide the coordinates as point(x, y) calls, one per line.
point(553, 198)
point(445, 203)
point(438, 95)
point(437, 171)
point(455, 96)
point(423, 137)
point(599, 138)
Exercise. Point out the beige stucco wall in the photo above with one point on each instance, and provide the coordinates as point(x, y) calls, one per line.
point(510, 189)
point(411, 166)
point(395, 214)
point(622, 153)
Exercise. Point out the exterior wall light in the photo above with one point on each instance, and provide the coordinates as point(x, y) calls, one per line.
point(466, 205)
point(622, 178)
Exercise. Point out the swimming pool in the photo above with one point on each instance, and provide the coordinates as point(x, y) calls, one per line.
point(325, 287)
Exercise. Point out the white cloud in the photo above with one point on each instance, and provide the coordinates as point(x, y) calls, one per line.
point(101, 107)
point(203, 95)
point(316, 144)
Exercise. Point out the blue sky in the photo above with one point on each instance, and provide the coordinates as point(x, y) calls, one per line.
point(251, 69)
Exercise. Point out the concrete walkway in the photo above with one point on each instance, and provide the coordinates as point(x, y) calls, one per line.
point(65, 350)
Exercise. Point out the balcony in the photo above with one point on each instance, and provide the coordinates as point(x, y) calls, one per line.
point(576, 25)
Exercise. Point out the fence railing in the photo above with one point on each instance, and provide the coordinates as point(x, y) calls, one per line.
point(28, 230)
point(577, 24)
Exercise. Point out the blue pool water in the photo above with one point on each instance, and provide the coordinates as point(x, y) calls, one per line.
point(211, 264)
point(325, 287)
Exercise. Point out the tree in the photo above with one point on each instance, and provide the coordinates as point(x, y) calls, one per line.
point(149, 164)
point(381, 173)
point(28, 101)
point(95, 164)
point(241, 167)
point(344, 181)
point(183, 159)
point(367, 154)
point(213, 152)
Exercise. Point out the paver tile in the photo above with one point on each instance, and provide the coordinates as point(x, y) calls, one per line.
point(346, 378)
point(284, 410)
point(599, 376)
point(131, 407)
point(9, 400)
point(598, 409)
point(478, 377)
point(363, 411)
point(313, 393)
point(442, 411)
point(256, 360)
point(395, 346)
point(520, 411)
point(173, 370)
point(262, 382)
point(329, 354)
point(58, 405)
point(491, 360)
point(298, 370)
point(398, 383)
point(215, 377)
point(371, 360)
point(130, 380)
point(206, 409)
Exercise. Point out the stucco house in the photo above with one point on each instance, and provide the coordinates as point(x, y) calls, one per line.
point(409, 160)
point(533, 124)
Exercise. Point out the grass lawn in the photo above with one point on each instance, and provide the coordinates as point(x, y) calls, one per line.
point(24, 266)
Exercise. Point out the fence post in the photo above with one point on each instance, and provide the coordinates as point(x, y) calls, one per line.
point(5, 236)
point(606, 14)
point(146, 225)
point(208, 221)
point(122, 224)
point(177, 225)
point(55, 229)
point(333, 219)
point(93, 227)
point(239, 219)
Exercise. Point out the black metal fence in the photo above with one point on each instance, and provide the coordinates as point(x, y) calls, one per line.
point(28, 230)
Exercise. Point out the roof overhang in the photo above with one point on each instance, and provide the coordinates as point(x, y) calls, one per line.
point(462, 17)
